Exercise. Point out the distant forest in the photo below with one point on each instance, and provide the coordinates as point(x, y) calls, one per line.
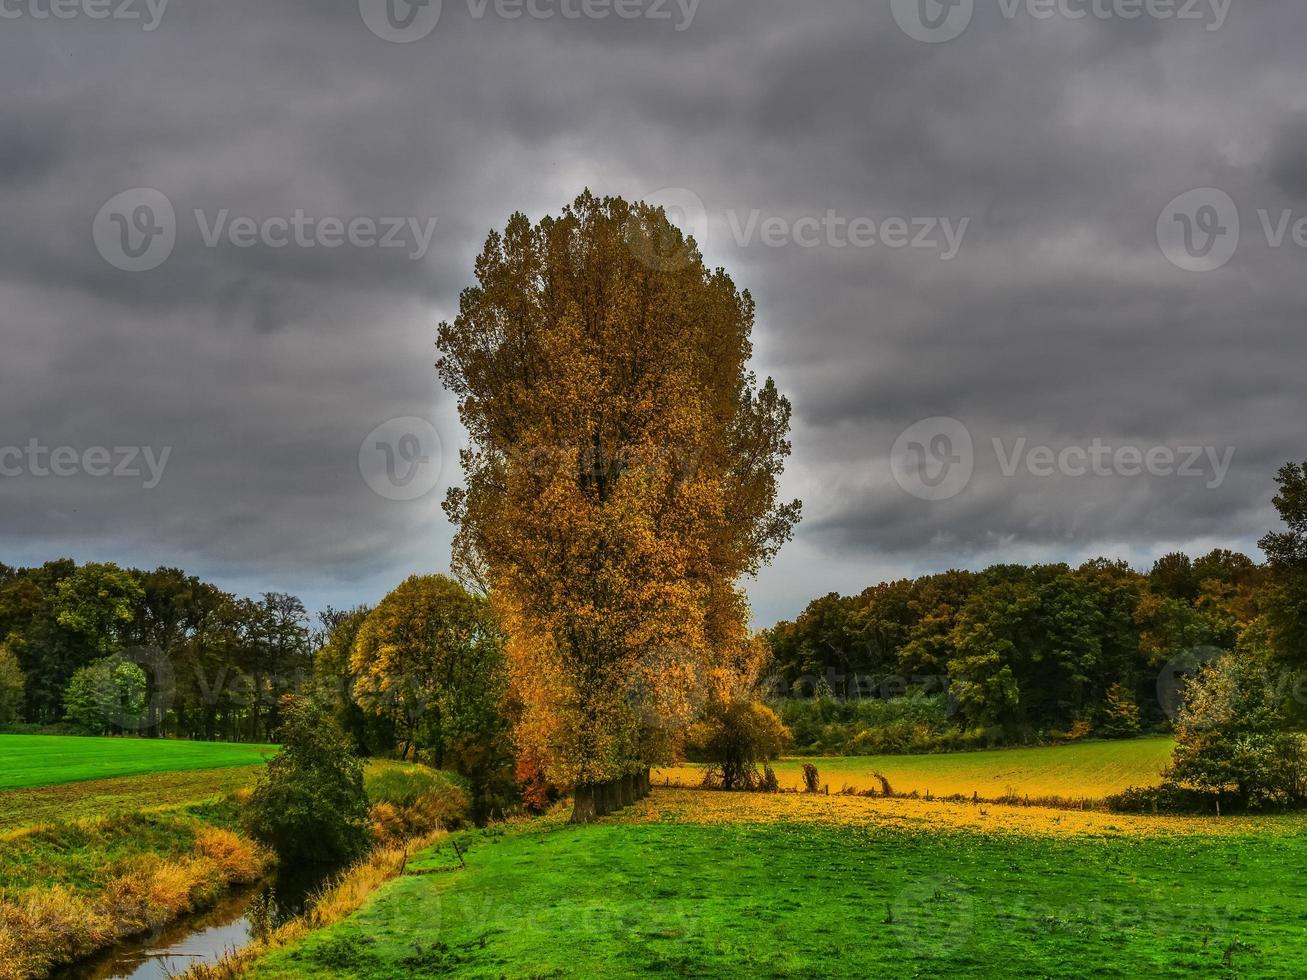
point(1029, 651)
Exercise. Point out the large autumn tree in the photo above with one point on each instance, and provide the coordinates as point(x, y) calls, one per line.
point(621, 480)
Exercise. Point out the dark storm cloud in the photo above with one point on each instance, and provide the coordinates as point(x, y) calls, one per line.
point(1059, 320)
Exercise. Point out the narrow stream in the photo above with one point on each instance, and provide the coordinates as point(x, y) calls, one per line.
point(204, 937)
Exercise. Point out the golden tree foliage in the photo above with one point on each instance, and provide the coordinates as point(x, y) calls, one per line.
point(621, 477)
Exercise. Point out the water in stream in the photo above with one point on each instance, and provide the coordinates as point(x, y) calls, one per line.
point(204, 937)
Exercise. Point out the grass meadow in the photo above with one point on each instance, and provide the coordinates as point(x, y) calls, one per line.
point(692, 883)
point(28, 761)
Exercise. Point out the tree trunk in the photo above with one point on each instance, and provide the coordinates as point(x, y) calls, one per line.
point(594, 800)
point(585, 808)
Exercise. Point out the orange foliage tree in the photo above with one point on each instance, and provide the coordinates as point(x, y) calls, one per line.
point(620, 481)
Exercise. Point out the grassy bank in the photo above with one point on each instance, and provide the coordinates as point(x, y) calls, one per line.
point(86, 862)
point(829, 887)
point(1090, 770)
point(71, 889)
point(49, 760)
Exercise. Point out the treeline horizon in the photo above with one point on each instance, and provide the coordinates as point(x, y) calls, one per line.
point(1024, 648)
point(215, 664)
point(1030, 650)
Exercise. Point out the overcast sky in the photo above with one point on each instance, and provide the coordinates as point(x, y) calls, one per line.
point(961, 224)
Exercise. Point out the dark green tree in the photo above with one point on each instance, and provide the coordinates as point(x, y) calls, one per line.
point(310, 805)
point(1286, 553)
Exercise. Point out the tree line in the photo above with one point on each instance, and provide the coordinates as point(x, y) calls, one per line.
point(107, 649)
point(1030, 651)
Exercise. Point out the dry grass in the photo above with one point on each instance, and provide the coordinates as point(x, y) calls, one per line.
point(1085, 770)
point(242, 862)
point(42, 928)
point(698, 807)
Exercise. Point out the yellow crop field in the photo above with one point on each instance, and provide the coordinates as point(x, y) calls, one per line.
point(1090, 770)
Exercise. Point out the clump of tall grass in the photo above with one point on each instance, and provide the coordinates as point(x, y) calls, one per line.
point(412, 800)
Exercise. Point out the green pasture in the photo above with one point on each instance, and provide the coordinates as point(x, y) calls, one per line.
point(799, 900)
point(28, 761)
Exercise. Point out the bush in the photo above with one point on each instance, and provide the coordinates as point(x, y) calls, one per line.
point(732, 738)
point(1167, 798)
point(310, 805)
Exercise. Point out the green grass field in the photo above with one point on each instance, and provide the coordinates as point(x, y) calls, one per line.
point(677, 896)
point(1087, 770)
point(28, 761)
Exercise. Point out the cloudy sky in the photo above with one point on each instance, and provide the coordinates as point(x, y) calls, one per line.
point(1071, 227)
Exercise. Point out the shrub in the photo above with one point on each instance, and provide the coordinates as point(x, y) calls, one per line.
point(310, 805)
point(411, 800)
point(1167, 798)
point(732, 738)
